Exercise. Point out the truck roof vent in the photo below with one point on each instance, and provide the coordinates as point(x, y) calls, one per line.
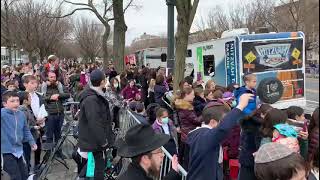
point(235, 32)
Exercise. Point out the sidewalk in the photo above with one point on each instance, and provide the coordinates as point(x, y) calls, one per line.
point(59, 172)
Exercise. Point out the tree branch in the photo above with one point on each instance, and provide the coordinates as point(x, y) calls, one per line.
point(107, 9)
point(193, 12)
point(128, 5)
point(69, 14)
point(110, 19)
point(78, 4)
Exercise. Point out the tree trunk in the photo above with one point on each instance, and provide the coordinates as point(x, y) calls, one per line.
point(42, 55)
point(119, 35)
point(8, 32)
point(186, 12)
point(181, 48)
point(105, 44)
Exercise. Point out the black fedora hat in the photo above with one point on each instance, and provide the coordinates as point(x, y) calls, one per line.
point(140, 139)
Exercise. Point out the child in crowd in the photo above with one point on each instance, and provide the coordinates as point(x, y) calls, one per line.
point(14, 131)
point(277, 161)
point(285, 134)
point(130, 91)
point(228, 95)
point(217, 95)
point(199, 101)
point(250, 139)
point(30, 82)
point(273, 117)
point(139, 113)
point(188, 121)
point(313, 142)
point(296, 118)
point(164, 125)
point(12, 85)
point(208, 95)
point(204, 142)
point(152, 83)
point(250, 81)
point(25, 107)
point(314, 169)
point(210, 85)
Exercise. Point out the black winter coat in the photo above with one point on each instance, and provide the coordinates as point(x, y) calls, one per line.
point(136, 172)
point(250, 139)
point(199, 103)
point(95, 130)
point(54, 107)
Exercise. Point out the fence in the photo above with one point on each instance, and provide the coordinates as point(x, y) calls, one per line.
point(128, 120)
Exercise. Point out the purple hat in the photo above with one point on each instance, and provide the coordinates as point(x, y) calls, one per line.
point(227, 95)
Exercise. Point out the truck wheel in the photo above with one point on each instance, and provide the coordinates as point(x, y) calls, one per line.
point(270, 90)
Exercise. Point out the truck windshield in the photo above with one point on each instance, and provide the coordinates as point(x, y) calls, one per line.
point(271, 55)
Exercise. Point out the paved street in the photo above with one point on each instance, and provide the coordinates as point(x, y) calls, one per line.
point(312, 89)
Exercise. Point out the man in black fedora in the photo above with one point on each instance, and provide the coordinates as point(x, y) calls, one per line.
point(143, 146)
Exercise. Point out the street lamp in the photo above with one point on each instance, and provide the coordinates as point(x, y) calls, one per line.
point(170, 34)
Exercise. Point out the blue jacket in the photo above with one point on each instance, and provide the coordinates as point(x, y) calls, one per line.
point(252, 103)
point(14, 131)
point(204, 146)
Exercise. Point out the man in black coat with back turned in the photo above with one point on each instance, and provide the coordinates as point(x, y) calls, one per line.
point(95, 130)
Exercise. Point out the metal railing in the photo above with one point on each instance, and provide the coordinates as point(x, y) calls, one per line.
point(128, 120)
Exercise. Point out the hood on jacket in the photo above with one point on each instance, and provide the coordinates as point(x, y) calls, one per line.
point(6, 110)
point(88, 92)
point(182, 104)
point(22, 108)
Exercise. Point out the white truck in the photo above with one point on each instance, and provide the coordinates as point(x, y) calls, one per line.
point(152, 57)
point(277, 59)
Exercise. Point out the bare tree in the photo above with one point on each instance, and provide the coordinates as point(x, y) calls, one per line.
point(105, 16)
point(251, 15)
point(218, 20)
point(88, 36)
point(36, 33)
point(6, 26)
point(186, 11)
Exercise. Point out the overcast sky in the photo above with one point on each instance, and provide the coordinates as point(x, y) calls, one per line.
point(152, 17)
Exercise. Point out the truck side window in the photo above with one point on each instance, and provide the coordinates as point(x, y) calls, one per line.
point(189, 53)
point(163, 57)
point(209, 65)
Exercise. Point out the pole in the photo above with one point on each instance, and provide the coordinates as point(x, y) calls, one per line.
point(15, 55)
point(170, 35)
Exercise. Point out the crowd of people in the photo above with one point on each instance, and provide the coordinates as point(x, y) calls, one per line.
point(214, 132)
